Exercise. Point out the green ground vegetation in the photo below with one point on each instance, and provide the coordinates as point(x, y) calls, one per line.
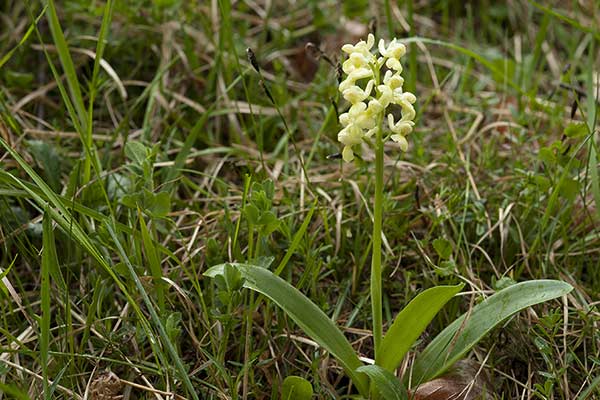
point(140, 147)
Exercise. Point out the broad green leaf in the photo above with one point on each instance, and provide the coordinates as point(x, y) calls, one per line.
point(136, 152)
point(386, 383)
point(569, 189)
point(576, 130)
point(160, 204)
point(48, 158)
point(443, 248)
point(411, 322)
point(546, 154)
point(252, 214)
point(305, 313)
point(460, 336)
point(296, 388)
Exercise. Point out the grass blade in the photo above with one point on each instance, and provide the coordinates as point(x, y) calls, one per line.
point(470, 53)
point(11, 390)
point(305, 313)
point(296, 240)
point(153, 262)
point(30, 30)
point(593, 95)
point(49, 263)
point(183, 373)
point(574, 23)
point(67, 63)
point(411, 322)
point(59, 213)
point(586, 394)
point(460, 336)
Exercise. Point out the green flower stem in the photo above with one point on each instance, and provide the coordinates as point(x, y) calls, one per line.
point(376, 260)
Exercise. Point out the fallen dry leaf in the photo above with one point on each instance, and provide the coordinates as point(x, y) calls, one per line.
point(463, 382)
point(107, 386)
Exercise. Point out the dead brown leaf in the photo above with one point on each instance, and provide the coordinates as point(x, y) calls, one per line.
point(107, 386)
point(464, 382)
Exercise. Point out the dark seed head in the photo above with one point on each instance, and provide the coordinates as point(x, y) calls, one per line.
point(252, 59)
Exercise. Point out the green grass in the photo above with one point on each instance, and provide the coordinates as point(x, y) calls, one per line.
point(113, 205)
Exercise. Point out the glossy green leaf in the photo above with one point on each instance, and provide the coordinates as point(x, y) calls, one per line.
point(386, 383)
point(296, 388)
point(411, 322)
point(460, 336)
point(305, 313)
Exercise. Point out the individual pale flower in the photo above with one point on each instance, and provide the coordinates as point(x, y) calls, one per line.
point(369, 106)
point(392, 52)
point(350, 136)
point(355, 94)
point(375, 107)
point(354, 76)
point(361, 47)
point(354, 62)
point(347, 154)
point(406, 101)
point(393, 80)
point(361, 115)
point(387, 95)
point(401, 140)
point(353, 113)
point(402, 127)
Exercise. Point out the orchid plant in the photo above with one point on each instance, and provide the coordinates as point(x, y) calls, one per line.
point(372, 87)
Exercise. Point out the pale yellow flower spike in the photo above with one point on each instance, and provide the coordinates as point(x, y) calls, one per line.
point(370, 95)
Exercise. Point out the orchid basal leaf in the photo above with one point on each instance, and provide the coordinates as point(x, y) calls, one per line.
point(411, 322)
point(460, 336)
